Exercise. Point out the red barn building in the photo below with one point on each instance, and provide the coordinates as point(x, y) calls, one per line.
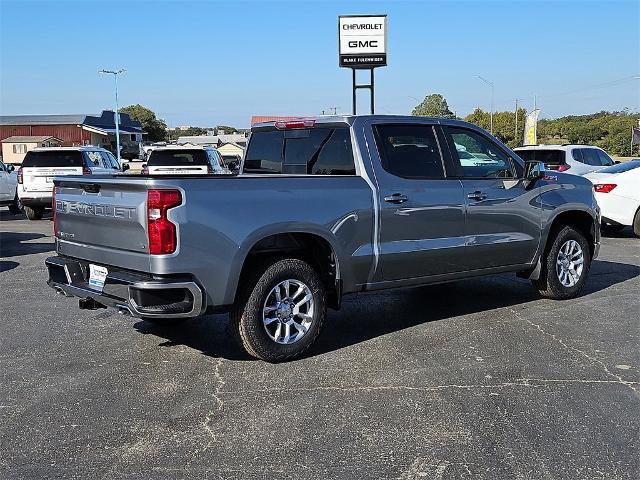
point(73, 130)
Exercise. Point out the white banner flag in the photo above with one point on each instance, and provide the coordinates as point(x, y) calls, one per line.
point(531, 128)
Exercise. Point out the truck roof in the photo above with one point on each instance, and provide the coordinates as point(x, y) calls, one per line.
point(555, 146)
point(87, 148)
point(349, 119)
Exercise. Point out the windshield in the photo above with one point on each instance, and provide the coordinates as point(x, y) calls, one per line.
point(163, 158)
point(548, 157)
point(621, 167)
point(53, 158)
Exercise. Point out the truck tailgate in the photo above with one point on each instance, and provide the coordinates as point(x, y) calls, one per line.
point(103, 219)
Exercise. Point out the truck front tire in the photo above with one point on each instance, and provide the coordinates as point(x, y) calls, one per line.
point(280, 313)
point(33, 213)
point(565, 266)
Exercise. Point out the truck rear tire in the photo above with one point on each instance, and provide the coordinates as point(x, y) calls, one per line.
point(33, 213)
point(16, 206)
point(565, 266)
point(280, 313)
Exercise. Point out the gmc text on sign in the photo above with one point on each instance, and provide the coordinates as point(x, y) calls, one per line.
point(362, 40)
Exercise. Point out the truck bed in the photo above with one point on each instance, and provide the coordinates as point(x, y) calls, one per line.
point(103, 219)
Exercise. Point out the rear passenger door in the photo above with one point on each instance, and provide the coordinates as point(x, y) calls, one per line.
point(421, 208)
point(502, 222)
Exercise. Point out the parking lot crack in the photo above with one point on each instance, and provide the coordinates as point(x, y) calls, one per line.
point(592, 359)
point(219, 384)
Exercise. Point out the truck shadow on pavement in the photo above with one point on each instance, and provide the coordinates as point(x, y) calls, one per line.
point(369, 315)
point(16, 244)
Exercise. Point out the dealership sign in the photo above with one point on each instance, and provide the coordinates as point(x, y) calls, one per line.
point(362, 41)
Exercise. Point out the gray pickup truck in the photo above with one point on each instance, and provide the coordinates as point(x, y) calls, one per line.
point(322, 208)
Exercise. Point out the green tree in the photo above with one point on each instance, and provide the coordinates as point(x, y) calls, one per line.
point(433, 105)
point(155, 128)
point(189, 132)
point(504, 124)
point(224, 129)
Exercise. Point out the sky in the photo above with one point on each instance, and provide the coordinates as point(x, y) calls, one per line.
point(208, 63)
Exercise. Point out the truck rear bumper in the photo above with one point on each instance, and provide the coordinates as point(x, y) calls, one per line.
point(137, 294)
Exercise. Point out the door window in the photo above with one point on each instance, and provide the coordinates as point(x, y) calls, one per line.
point(409, 151)
point(477, 156)
point(109, 161)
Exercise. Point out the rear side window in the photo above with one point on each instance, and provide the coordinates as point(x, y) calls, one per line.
point(590, 156)
point(53, 158)
point(95, 160)
point(548, 157)
point(164, 158)
point(315, 151)
point(409, 151)
point(604, 158)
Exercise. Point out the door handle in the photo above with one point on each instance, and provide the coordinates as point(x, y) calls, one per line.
point(477, 195)
point(396, 198)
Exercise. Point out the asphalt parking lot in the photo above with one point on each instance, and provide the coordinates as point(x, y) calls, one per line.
point(481, 379)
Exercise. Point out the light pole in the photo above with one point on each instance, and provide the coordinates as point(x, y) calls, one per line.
point(115, 74)
point(491, 114)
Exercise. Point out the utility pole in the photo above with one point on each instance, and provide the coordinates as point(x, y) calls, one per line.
point(115, 74)
point(491, 115)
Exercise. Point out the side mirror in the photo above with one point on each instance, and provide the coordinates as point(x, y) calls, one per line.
point(125, 167)
point(534, 171)
point(617, 162)
point(10, 168)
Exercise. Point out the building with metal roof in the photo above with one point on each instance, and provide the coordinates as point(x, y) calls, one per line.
point(76, 129)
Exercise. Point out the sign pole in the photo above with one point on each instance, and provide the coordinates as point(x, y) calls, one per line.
point(372, 93)
point(355, 100)
point(369, 86)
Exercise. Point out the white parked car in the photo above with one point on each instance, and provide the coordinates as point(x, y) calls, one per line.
point(617, 190)
point(178, 160)
point(149, 147)
point(41, 165)
point(576, 159)
point(9, 188)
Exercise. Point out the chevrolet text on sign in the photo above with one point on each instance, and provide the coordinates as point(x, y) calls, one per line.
point(363, 40)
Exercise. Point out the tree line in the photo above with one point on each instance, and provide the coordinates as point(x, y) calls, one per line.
point(610, 131)
point(156, 128)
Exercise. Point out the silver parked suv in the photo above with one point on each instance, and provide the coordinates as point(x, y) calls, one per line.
point(577, 159)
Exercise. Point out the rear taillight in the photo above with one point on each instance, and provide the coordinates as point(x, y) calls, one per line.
point(20, 180)
point(161, 232)
point(294, 124)
point(563, 168)
point(604, 187)
point(53, 208)
point(86, 171)
point(209, 168)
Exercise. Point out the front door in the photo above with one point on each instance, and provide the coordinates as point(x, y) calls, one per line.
point(502, 220)
point(421, 210)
